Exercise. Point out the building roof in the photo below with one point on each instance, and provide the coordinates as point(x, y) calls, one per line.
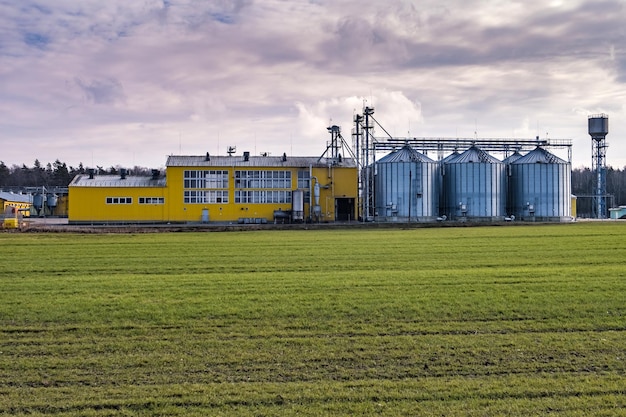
point(539, 156)
point(257, 161)
point(405, 154)
point(83, 180)
point(474, 155)
point(16, 198)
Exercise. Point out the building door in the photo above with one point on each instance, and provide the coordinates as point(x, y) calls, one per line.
point(344, 209)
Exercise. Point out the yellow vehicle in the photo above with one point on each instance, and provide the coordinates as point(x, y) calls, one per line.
point(12, 218)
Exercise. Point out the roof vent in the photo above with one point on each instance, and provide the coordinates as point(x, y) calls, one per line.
point(91, 173)
point(246, 156)
point(207, 157)
point(284, 157)
point(123, 173)
point(155, 174)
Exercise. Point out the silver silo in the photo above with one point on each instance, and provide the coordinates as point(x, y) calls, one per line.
point(541, 187)
point(509, 189)
point(474, 186)
point(406, 186)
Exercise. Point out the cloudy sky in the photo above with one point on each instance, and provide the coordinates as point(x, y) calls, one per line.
point(128, 82)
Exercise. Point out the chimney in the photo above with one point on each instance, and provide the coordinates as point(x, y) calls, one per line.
point(91, 173)
point(207, 157)
point(155, 174)
point(123, 173)
point(246, 156)
point(284, 157)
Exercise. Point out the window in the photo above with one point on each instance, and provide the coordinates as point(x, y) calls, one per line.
point(304, 180)
point(206, 197)
point(205, 186)
point(151, 200)
point(263, 179)
point(205, 179)
point(263, 197)
point(119, 200)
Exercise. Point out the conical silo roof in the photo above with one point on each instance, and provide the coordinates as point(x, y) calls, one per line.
point(405, 154)
point(512, 158)
point(475, 155)
point(539, 156)
point(450, 157)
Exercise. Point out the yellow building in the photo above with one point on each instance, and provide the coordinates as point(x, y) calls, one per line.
point(21, 202)
point(232, 189)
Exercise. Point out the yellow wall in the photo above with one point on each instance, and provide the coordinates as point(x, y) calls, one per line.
point(341, 182)
point(88, 204)
point(336, 182)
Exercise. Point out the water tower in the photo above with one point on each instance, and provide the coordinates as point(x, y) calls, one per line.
point(598, 129)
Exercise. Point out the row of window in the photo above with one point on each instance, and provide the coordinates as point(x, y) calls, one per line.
point(218, 179)
point(205, 179)
point(151, 200)
point(206, 197)
point(119, 200)
point(263, 179)
point(217, 182)
point(217, 197)
point(129, 200)
point(263, 197)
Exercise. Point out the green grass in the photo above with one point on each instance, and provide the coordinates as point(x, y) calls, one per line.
point(485, 321)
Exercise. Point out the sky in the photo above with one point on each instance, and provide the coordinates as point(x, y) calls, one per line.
point(128, 82)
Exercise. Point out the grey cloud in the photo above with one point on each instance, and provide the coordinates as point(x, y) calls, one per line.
point(101, 91)
point(456, 40)
point(199, 67)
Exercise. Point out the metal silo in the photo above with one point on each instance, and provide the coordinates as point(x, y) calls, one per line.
point(509, 188)
point(406, 186)
point(474, 186)
point(541, 187)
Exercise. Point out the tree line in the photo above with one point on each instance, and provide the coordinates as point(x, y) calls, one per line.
point(59, 174)
point(584, 184)
point(56, 174)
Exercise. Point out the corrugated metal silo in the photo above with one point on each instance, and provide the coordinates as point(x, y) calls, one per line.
point(406, 186)
point(474, 186)
point(509, 189)
point(442, 189)
point(541, 187)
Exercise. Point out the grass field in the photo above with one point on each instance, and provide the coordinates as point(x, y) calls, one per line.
point(484, 321)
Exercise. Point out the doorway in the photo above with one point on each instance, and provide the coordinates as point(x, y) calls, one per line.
point(344, 209)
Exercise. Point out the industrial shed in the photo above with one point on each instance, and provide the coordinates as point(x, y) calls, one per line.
point(222, 188)
point(119, 198)
point(21, 202)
